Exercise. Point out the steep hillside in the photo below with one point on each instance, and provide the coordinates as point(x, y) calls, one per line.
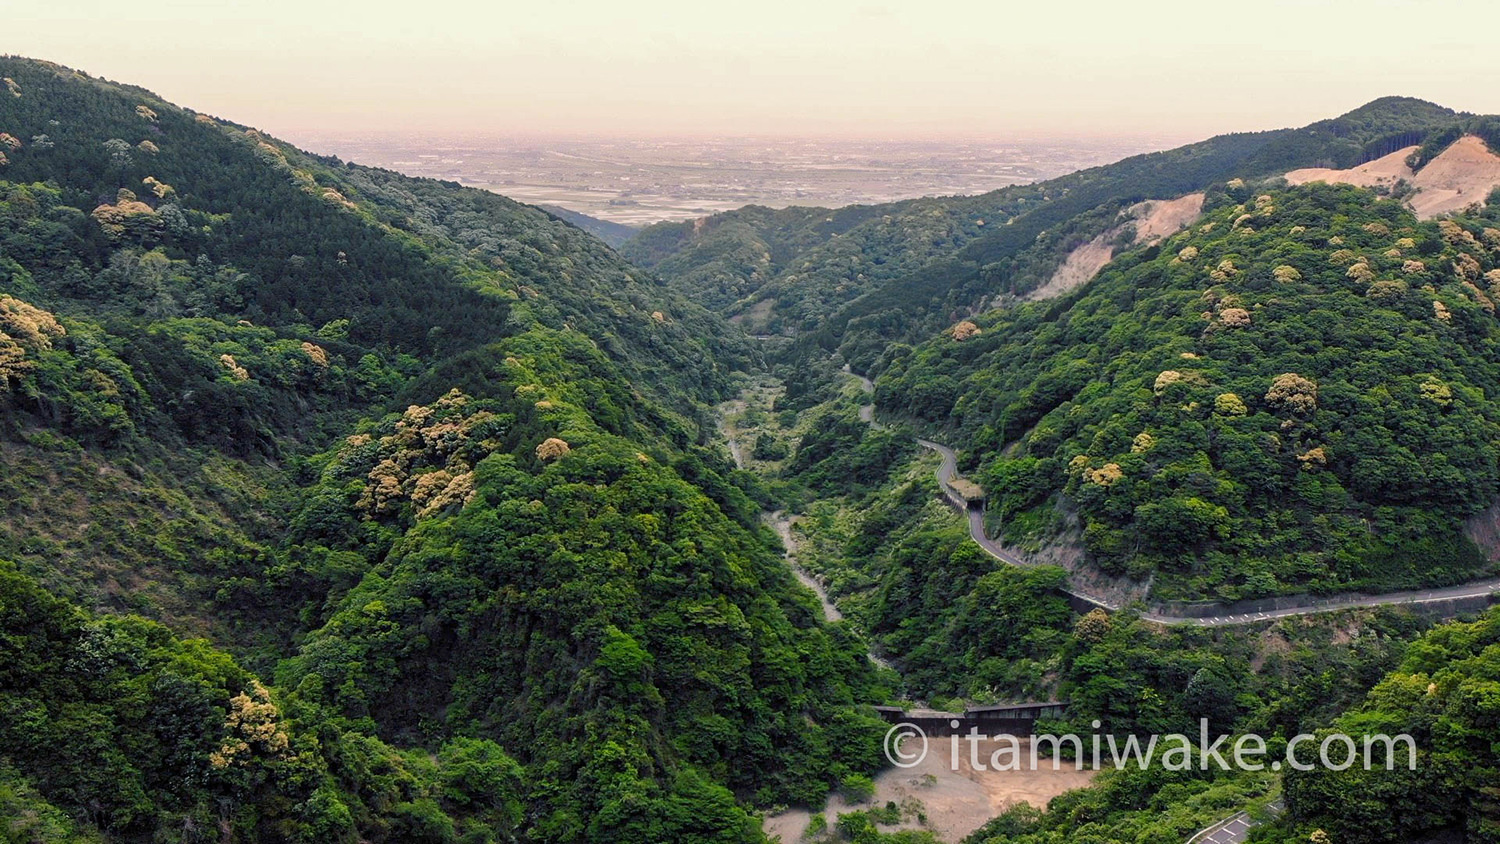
point(414, 265)
point(1296, 395)
point(1142, 223)
point(432, 460)
point(204, 287)
point(114, 729)
point(1442, 696)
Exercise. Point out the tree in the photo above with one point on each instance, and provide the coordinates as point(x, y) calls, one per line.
point(1292, 392)
point(552, 448)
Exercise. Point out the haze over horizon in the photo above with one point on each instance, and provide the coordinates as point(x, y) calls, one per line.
point(849, 68)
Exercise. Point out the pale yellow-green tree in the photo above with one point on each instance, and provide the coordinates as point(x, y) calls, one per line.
point(1093, 626)
point(252, 728)
point(1292, 392)
point(552, 448)
point(1229, 404)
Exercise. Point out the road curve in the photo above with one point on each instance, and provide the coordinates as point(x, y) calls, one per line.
point(1234, 829)
point(949, 467)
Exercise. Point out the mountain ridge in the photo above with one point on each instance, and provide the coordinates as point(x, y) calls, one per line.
point(431, 470)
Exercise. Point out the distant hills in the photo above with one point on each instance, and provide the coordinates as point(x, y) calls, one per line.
point(1173, 265)
point(1191, 376)
point(615, 234)
point(856, 279)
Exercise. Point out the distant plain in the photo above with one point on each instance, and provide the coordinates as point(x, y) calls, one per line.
point(640, 181)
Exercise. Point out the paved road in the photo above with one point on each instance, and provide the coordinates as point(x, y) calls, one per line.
point(1230, 831)
point(1234, 829)
point(949, 467)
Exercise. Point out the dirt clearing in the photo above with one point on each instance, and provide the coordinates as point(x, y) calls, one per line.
point(953, 802)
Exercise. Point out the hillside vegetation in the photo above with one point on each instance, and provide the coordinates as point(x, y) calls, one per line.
point(430, 464)
point(1294, 396)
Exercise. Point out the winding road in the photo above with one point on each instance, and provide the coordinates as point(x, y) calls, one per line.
point(1234, 829)
point(949, 468)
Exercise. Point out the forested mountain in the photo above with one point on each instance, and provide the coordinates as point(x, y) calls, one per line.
point(855, 279)
point(427, 469)
point(1296, 395)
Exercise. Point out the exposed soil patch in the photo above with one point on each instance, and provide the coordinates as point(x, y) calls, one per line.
point(1153, 220)
point(1382, 172)
point(954, 802)
point(1460, 176)
point(1484, 529)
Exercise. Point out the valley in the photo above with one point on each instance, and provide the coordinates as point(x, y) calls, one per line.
point(347, 505)
point(856, 523)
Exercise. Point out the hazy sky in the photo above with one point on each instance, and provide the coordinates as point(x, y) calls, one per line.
point(871, 68)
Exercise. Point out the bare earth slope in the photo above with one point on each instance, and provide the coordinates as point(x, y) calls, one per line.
point(1153, 220)
point(1382, 172)
point(1463, 174)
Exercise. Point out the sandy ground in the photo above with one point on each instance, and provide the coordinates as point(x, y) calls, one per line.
point(1462, 175)
point(1156, 219)
point(1153, 219)
point(1382, 171)
point(1081, 265)
point(955, 802)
